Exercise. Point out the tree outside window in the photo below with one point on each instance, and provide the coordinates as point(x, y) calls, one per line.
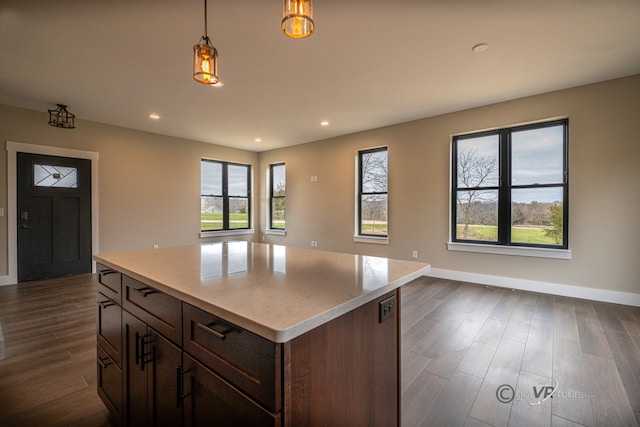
point(224, 196)
point(510, 186)
point(278, 203)
point(373, 192)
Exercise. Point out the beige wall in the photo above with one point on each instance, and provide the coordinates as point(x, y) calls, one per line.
point(149, 184)
point(604, 233)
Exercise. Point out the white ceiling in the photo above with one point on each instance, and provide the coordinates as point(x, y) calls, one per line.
point(370, 63)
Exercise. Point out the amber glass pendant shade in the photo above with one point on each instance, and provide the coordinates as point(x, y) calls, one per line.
point(297, 21)
point(205, 62)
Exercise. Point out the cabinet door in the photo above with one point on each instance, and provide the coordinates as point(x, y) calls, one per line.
point(209, 400)
point(164, 379)
point(110, 384)
point(109, 326)
point(135, 370)
point(109, 283)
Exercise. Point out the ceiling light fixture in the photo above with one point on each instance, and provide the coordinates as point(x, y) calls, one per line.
point(205, 58)
point(61, 118)
point(154, 116)
point(480, 47)
point(324, 123)
point(297, 18)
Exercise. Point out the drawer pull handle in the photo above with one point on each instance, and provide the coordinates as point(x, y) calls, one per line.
point(145, 292)
point(105, 304)
point(140, 354)
point(102, 361)
point(107, 272)
point(222, 335)
point(180, 396)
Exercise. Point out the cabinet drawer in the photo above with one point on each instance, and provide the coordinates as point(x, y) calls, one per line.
point(110, 385)
point(109, 327)
point(160, 311)
point(246, 360)
point(109, 282)
point(210, 400)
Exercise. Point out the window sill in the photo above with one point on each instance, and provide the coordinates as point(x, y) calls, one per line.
point(371, 239)
point(217, 233)
point(510, 250)
point(275, 232)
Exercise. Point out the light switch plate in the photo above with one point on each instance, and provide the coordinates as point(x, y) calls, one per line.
point(1, 211)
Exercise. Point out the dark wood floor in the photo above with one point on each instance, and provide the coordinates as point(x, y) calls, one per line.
point(461, 342)
point(465, 345)
point(48, 377)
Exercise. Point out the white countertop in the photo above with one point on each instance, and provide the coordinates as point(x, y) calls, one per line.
point(277, 292)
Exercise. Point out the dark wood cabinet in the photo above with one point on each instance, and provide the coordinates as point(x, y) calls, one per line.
point(152, 373)
point(110, 384)
point(210, 400)
point(347, 371)
point(160, 311)
point(109, 328)
point(164, 362)
point(248, 361)
point(109, 283)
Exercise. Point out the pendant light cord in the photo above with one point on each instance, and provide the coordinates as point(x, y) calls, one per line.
point(205, 20)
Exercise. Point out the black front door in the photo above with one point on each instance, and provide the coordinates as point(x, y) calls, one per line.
point(54, 216)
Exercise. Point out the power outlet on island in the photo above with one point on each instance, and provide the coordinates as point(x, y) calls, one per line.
point(387, 308)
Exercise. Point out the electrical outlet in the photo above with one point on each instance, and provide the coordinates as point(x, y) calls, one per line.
point(387, 308)
point(155, 246)
point(1, 211)
point(414, 254)
point(314, 244)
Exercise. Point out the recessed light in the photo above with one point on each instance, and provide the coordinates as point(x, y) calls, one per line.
point(324, 123)
point(154, 116)
point(480, 47)
point(258, 139)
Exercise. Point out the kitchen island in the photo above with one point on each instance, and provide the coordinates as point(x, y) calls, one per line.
point(250, 334)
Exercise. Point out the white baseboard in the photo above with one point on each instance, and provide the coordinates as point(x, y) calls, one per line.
point(6, 280)
point(603, 295)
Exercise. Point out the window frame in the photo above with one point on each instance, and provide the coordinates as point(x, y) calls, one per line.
point(359, 234)
point(226, 199)
point(272, 196)
point(505, 187)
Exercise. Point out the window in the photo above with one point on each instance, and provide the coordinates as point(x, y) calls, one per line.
point(225, 202)
point(510, 186)
point(55, 176)
point(372, 192)
point(277, 187)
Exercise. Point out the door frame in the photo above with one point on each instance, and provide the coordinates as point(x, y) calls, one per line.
point(12, 199)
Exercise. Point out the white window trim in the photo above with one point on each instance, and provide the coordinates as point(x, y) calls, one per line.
point(216, 233)
point(275, 231)
point(371, 239)
point(510, 250)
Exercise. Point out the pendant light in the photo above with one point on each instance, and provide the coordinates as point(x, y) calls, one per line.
point(297, 20)
point(61, 118)
point(205, 58)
